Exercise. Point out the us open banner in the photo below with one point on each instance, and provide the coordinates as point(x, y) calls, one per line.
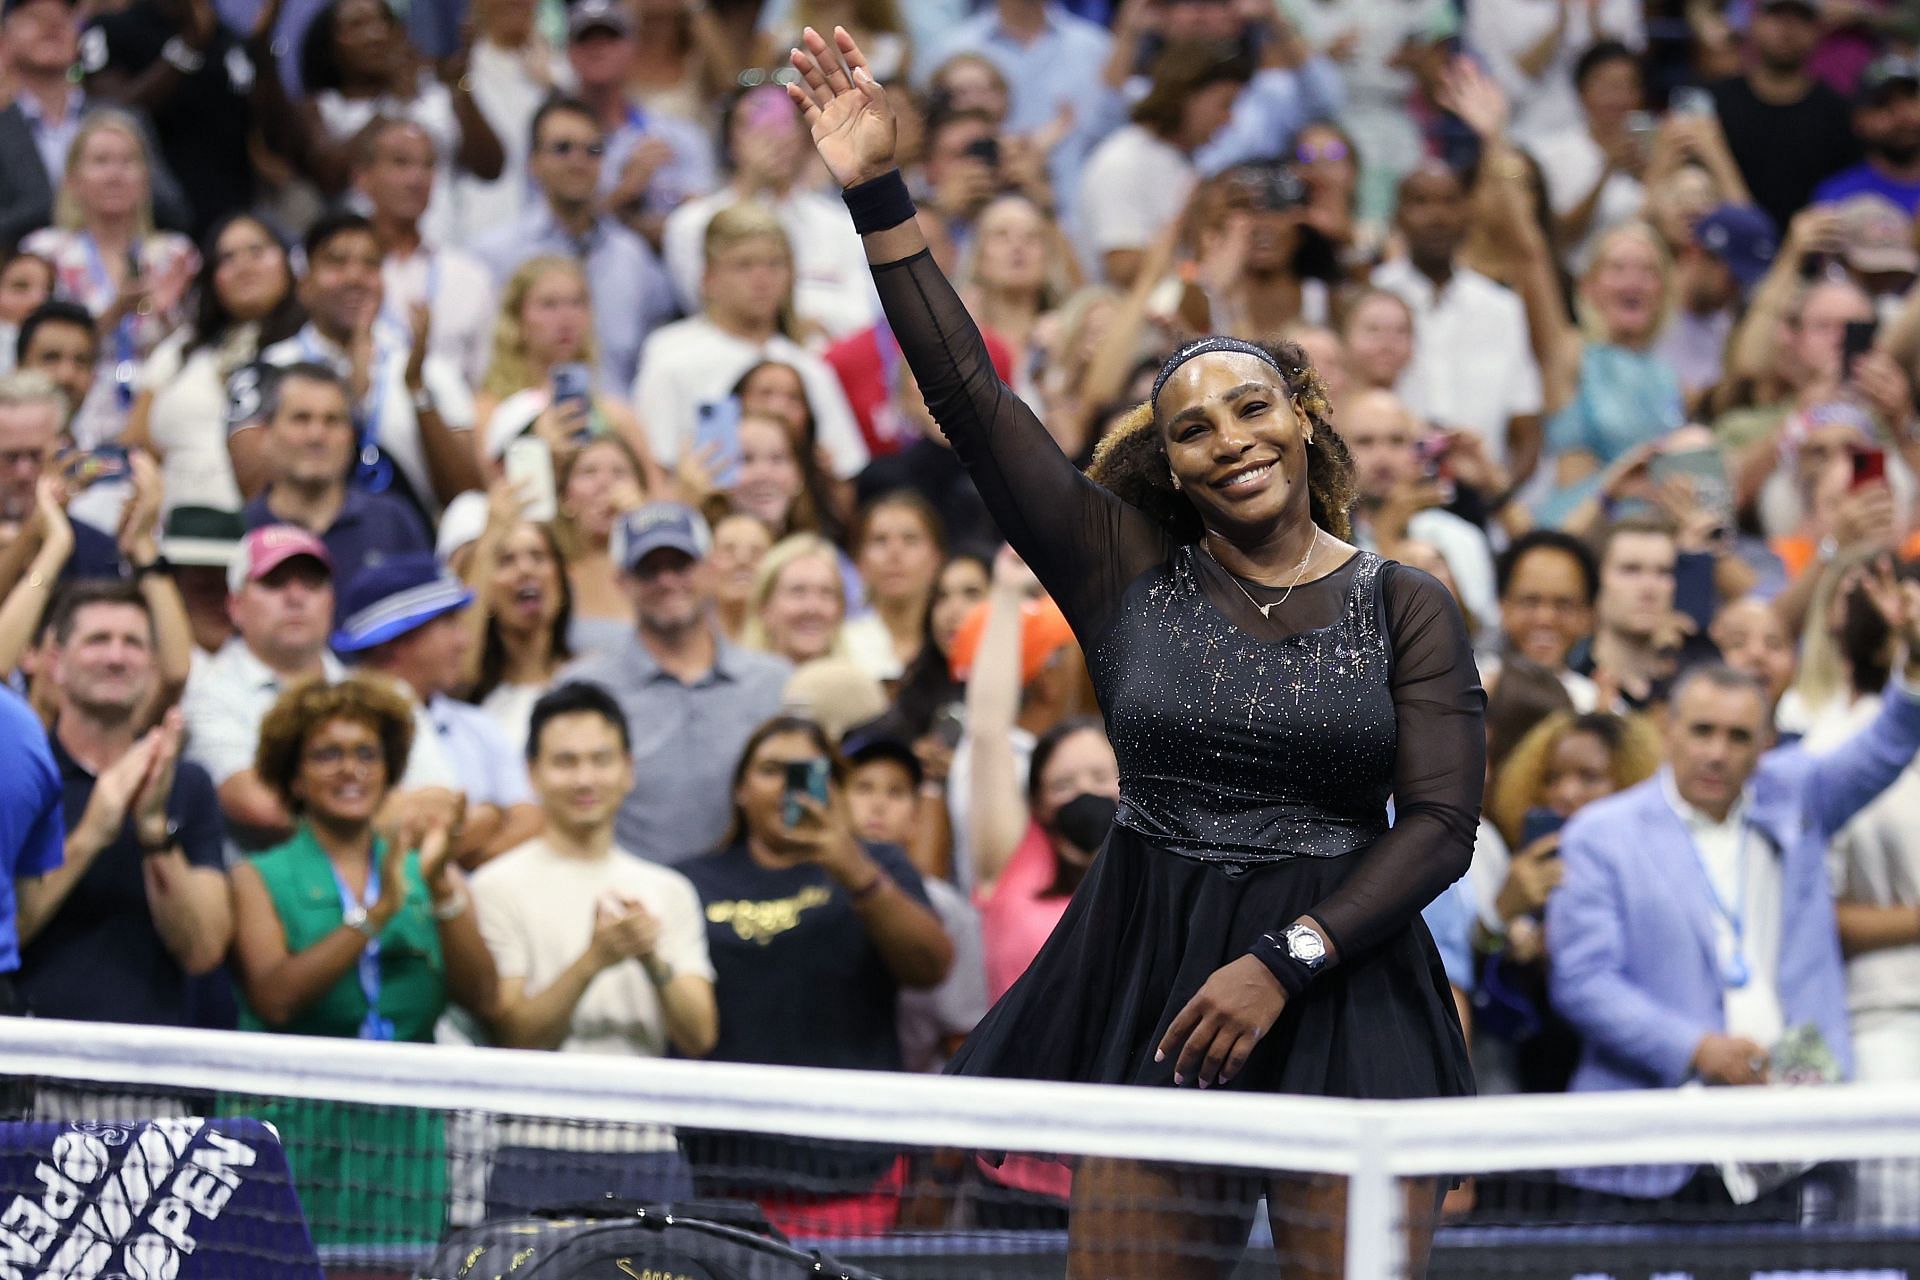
point(170, 1199)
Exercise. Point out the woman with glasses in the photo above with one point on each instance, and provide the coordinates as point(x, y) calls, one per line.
point(361, 929)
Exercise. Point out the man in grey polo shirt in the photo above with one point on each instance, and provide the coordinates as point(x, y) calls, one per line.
point(690, 697)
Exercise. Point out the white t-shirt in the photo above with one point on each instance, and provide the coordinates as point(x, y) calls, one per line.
point(1499, 31)
point(508, 92)
point(458, 291)
point(536, 911)
point(1472, 365)
point(1571, 161)
point(1133, 185)
point(832, 284)
point(187, 418)
point(693, 362)
point(432, 109)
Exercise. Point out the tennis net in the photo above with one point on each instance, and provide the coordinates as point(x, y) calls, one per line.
point(168, 1155)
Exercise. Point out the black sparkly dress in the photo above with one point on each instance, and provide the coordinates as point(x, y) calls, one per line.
point(1257, 757)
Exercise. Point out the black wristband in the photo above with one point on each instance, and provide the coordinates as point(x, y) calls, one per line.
point(1288, 972)
point(879, 204)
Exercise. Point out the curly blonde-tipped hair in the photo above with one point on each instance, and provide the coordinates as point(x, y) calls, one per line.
point(304, 708)
point(1633, 756)
point(1131, 462)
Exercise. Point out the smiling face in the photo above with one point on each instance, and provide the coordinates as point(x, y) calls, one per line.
point(803, 609)
point(1625, 286)
point(342, 286)
point(25, 283)
point(1579, 771)
point(1236, 442)
point(739, 542)
point(342, 777)
point(769, 479)
point(580, 771)
point(1544, 611)
point(1753, 640)
point(398, 177)
point(602, 485)
point(364, 32)
point(961, 585)
point(250, 272)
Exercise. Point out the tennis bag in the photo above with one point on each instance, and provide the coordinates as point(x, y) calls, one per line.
point(694, 1240)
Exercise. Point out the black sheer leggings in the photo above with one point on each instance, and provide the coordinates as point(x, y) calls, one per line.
point(1133, 1220)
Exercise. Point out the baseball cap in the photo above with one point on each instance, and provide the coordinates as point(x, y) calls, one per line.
point(202, 537)
point(656, 526)
point(463, 521)
point(398, 595)
point(1043, 633)
point(598, 15)
point(1887, 73)
point(1877, 233)
point(867, 743)
point(1741, 236)
point(270, 546)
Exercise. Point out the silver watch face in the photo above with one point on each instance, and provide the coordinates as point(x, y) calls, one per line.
point(354, 917)
point(1306, 946)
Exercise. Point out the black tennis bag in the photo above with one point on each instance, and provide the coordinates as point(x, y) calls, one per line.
point(693, 1240)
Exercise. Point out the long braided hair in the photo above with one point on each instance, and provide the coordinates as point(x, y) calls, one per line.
point(1131, 462)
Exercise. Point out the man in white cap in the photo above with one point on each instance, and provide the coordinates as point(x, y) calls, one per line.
point(401, 619)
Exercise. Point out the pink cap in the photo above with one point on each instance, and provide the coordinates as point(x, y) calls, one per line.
point(267, 548)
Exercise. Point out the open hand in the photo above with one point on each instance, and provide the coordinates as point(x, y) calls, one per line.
point(1214, 1034)
point(845, 107)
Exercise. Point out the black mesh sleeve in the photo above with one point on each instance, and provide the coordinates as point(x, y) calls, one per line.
point(1084, 544)
point(1439, 770)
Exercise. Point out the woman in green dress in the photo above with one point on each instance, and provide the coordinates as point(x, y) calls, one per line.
point(355, 930)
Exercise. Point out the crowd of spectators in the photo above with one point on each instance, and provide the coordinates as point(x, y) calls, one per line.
point(474, 563)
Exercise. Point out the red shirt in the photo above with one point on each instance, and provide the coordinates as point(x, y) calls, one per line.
point(866, 363)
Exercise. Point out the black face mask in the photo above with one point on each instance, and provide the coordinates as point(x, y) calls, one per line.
point(1083, 820)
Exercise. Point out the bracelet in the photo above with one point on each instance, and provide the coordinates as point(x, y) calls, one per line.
point(879, 204)
point(452, 909)
point(182, 57)
point(158, 564)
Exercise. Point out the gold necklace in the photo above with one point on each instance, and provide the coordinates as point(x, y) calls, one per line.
point(1266, 610)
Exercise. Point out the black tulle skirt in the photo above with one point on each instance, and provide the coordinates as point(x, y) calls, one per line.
point(1147, 928)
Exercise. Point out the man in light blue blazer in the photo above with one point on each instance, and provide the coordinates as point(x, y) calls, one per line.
point(1694, 921)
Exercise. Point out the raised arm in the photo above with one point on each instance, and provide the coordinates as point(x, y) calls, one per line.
point(1082, 542)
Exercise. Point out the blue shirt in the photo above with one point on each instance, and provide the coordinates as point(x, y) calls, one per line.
point(1056, 68)
point(688, 174)
point(33, 832)
point(631, 293)
point(369, 528)
point(491, 767)
point(1864, 179)
point(1624, 398)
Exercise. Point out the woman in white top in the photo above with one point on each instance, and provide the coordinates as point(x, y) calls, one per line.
point(525, 608)
point(107, 257)
point(546, 323)
point(356, 64)
point(746, 317)
point(244, 302)
point(514, 69)
point(1531, 46)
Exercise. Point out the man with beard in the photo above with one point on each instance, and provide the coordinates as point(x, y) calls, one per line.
point(1786, 129)
point(1473, 367)
point(691, 698)
point(1886, 118)
point(139, 904)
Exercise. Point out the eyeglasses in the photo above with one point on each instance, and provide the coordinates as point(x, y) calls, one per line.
point(332, 756)
point(567, 146)
point(1330, 151)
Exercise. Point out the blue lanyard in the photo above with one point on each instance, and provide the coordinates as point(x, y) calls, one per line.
point(373, 469)
point(375, 1026)
point(124, 346)
point(1734, 972)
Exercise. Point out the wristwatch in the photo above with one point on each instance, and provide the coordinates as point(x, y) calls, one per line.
point(182, 57)
point(355, 918)
point(1305, 946)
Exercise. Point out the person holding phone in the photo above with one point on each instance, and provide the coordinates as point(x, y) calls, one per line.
point(1562, 765)
point(1214, 523)
point(813, 934)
